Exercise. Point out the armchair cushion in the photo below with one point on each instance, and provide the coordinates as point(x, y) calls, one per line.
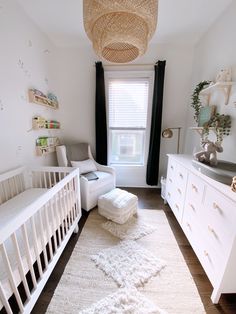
point(77, 152)
point(84, 166)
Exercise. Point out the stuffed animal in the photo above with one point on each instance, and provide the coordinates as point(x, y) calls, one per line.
point(233, 185)
point(208, 154)
point(224, 76)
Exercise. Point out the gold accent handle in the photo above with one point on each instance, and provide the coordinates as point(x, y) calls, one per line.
point(181, 176)
point(188, 225)
point(216, 206)
point(206, 253)
point(179, 191)
point(212, 231)
point(171, 167)
point(193, 208)
point(194, 188)
point(177, 206)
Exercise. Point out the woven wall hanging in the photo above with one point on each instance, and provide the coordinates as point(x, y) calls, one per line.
point(120, 29)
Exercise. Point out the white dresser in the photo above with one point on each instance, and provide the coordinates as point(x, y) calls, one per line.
point(206, 211)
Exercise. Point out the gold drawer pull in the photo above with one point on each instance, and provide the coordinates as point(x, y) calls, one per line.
point(212, 231)
point(171, 167)
point(216, 206)
point(188, 225)
point(194, 188)
point(177, 206)
point(193, 208)
point(170, 180)
point(206, 253)
point(181, 176)
point(179, 191)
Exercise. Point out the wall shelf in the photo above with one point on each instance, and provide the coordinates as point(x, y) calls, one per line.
point(225, 87)
point(46, 145)
point(200, 129)
point(40, 100)
point(39, 123)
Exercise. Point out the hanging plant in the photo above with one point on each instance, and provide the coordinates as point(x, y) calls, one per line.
point(221, 124)
point(196, 103)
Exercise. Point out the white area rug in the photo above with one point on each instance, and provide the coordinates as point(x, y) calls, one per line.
point(128, 263)
point(133, 229)
point(83, 284)
point(124, 301)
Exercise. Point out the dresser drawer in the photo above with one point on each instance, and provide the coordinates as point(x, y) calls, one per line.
point(181, 176)
point(219, 218)
point(195, 189)
point(208, 257)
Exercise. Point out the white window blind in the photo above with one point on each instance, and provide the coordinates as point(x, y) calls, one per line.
point(128, 103)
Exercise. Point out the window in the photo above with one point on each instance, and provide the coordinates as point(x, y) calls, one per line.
point(128, 109)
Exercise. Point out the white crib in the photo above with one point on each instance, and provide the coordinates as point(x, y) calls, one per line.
point(39, 210)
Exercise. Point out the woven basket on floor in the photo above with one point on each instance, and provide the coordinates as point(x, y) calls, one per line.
point(120, 29)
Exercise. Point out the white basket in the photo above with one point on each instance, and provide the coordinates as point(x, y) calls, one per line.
point(163, 188)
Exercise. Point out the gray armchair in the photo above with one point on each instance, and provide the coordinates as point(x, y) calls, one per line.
point(90, 190)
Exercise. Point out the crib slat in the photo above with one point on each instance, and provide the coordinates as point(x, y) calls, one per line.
point(54, 178)
point(40, 180)
point(67, 207)
point(11, 277)
point(5, 301)
point(62, 197)
point(49, 179)
point(16, 185)
point(73, 193)
point(20, 265)
point(44, 180)
point(28, 255)
point(58, 219)
point(53, 225)
point(70, 203)
point(36, 249)
point(48, 232)
point(43, 242)
point(22, 185)
point(4, 192)
point(10, 188)
point(60, 210)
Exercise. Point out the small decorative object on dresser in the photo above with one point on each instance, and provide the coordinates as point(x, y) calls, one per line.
point(233, 185)
point(208, 152)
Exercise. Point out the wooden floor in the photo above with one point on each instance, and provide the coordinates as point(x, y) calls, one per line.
point(149, 199)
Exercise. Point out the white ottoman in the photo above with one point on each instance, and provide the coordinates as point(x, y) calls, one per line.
point(117, 205)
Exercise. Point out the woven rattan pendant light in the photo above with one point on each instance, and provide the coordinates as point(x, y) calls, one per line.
point(120, 29)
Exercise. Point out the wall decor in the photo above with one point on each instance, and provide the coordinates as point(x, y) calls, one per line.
point(46, 145)
point(37, 97)
point(42, 123)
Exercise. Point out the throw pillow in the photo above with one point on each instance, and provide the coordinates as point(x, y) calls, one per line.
point(84, 166)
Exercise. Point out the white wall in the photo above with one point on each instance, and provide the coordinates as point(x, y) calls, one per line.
point(76, 91)
point(26, 61)
point(216, 51)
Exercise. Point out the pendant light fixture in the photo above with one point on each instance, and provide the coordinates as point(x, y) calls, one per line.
point(120, 29)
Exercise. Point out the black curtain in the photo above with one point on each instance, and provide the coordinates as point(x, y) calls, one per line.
point(155, 135)
point(100, 116)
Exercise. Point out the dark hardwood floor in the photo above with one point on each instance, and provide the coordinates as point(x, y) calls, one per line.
point(149, 199)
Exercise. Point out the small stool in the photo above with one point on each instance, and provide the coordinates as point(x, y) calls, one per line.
point(117, 205)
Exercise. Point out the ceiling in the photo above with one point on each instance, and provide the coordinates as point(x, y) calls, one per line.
point(179, 21)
